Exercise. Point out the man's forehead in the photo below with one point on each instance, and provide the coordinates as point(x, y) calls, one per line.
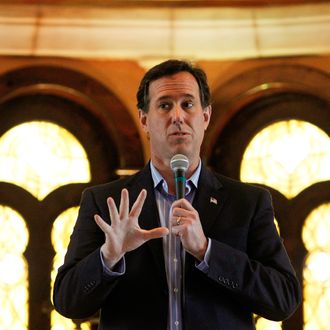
point(182, 82)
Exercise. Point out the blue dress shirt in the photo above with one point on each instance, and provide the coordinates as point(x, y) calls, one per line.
point(174, 255)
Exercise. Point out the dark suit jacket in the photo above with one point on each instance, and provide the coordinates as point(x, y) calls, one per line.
point(249, 272)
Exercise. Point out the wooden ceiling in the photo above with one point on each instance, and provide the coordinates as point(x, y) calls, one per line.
point(162, 3)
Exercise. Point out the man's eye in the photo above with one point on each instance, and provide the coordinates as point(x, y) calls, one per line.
point(164, 106)
point(187, 105)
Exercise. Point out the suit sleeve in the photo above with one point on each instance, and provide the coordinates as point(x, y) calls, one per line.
point(81, 287)
point(260, 275)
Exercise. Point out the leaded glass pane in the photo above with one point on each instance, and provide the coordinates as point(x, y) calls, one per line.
point(13, 271)
point(264, 324)
point(289, 156)
point(62, 229)
point(316, 233)
point(40, 157)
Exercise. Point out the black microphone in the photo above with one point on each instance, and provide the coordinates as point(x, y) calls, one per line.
point(179, 165)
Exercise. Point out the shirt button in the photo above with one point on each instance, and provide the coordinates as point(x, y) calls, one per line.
point(175, 290)
point(175, 260)
point(176, 323)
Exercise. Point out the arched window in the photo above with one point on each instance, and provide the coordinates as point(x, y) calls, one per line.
point(39, 157)
point(62, 229)
point(57, 129)
point(14, 238)
point(272, 129)
point(316, 233)
point(290, 156)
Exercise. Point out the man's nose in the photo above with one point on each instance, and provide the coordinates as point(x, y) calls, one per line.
point(177, 115)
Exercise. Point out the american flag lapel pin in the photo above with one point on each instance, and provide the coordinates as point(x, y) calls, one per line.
point(214, 200)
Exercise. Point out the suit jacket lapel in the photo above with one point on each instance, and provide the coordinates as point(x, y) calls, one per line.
point(149, 217)
point(209, 199)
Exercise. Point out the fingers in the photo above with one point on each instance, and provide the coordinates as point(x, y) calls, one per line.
point(181, 217)
point(137, 206)
point(185, 221)
point(124, 213)
point(102, 224)
point(124, 204)
point(179, 230)
point(155, 233)
point(183, 212)
point(178, 220)
point(182, 204)
point(180, 225)
point(113, 212)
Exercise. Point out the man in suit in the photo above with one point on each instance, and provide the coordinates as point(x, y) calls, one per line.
point(147, 261)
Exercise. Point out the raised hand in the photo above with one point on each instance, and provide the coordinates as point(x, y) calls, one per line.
point(124, 234)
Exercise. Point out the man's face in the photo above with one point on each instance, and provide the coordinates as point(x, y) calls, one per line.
point(176, 120)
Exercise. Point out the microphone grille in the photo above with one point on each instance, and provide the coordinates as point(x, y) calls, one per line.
point(179, 161)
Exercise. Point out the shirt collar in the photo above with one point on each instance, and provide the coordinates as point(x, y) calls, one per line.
point(158, 179)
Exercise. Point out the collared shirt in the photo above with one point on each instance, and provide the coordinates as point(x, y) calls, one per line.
point(173, 253)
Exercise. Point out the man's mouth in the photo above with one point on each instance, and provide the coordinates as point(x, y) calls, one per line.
point(178, 133)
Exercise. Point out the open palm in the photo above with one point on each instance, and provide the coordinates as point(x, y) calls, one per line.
point(124, 234)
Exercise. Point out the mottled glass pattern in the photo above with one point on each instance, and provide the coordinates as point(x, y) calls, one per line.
point(14, 238)
point(288, 156)
point(40, 157)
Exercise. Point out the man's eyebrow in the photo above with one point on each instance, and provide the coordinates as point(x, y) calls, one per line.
point(167, 97)
point(189, 96)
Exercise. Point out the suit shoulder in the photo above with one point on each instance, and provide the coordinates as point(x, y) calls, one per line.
point(112, 187)
point(239, 186)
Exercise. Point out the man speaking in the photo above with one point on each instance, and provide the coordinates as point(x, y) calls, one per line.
point(176, 246)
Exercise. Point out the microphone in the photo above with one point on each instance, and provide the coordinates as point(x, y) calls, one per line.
point(179, 165)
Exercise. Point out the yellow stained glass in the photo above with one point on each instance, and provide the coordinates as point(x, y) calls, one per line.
point(13, 271)
point(289, 156)
point(62, 229)
point(316, 237)
point(40, 157)
point(264, 324)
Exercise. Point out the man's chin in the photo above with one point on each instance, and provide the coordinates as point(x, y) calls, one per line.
point(184, 149)
point(181, 150)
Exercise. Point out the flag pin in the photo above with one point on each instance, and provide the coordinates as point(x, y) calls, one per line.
point(213, 200)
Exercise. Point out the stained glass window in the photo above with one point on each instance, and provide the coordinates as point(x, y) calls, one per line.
point(14, 237)
point(264, 324)
point(316, 237)
point(39, 157)
point(288, 156)
point(42, 156)
point(62, 229)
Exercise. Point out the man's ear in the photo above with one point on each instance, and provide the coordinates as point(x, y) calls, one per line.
point(143, 120)
point(207, 112)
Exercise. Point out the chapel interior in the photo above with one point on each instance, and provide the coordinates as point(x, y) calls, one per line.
point(69, 72)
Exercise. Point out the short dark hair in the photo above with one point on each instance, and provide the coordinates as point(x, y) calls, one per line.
point(169, 68)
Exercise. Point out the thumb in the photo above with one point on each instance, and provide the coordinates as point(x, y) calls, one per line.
point(155, 233)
